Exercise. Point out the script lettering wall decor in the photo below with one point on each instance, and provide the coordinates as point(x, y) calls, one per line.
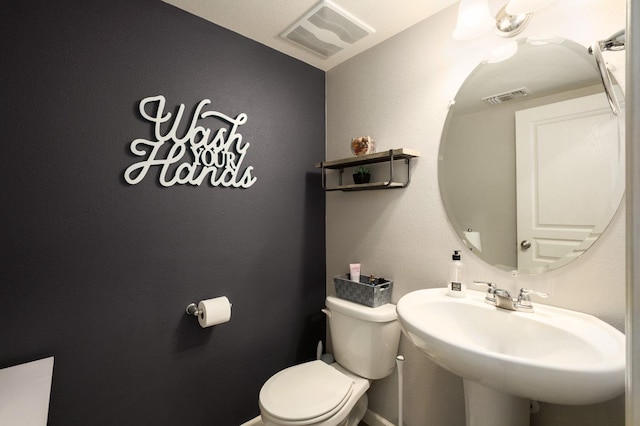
point(200, 154)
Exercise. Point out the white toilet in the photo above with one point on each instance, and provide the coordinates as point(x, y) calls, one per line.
point(365, 345)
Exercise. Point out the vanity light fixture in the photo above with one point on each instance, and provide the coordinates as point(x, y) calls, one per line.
point(474, 17)
point(519, 7)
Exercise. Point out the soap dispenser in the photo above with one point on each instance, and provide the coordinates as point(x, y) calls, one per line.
point(456, 286)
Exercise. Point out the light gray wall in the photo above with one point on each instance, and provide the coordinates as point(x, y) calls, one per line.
point(398, 92)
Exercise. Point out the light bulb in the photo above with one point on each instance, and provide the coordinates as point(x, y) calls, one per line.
point(474, 19)
point(521, 7)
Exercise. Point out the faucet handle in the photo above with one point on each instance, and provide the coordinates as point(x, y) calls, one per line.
point(524, 298)
point(491, 285)
point(491, 291)
point(525, 292)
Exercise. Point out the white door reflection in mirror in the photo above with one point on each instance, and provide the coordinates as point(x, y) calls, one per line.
point(565, 154)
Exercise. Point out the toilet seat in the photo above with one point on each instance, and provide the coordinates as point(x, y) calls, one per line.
point(305, 394)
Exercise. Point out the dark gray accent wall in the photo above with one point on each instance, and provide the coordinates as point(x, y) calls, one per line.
point(97, 272)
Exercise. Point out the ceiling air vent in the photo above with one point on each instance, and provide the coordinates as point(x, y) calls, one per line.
point(326, 29)
point(506, 96)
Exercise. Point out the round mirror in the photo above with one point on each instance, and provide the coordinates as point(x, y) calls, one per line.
point(531, 161)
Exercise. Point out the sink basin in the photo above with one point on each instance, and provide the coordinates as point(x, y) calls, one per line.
point(552, 355)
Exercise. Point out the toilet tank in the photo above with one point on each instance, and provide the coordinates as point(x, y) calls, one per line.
point(365, 340)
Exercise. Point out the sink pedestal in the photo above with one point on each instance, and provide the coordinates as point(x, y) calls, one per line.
point(487, 407)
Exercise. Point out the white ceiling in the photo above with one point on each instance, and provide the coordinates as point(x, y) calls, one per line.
point(264, 21)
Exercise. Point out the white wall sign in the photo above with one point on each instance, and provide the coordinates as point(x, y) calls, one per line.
point(200, 154)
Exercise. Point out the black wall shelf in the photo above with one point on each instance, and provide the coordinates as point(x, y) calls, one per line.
point(390, 156)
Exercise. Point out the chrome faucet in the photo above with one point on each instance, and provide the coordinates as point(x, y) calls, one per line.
point(501, 298)
point(504, 300)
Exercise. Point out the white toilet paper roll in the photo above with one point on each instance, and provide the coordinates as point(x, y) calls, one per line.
point(214, 311)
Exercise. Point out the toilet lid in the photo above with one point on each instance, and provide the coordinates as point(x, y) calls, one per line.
point(305, 391)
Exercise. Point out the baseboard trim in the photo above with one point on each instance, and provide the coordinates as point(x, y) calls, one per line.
point(257, 421)
point(374, 419)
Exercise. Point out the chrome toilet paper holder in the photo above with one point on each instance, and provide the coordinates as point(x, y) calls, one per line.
point(192, 309)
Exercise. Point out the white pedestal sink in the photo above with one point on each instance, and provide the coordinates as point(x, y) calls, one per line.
point(508, 358)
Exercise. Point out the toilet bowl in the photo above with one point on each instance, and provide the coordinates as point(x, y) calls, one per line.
point(365, 341)
point(313, 393)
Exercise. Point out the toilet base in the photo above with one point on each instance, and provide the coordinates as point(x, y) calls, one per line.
point(359, 410)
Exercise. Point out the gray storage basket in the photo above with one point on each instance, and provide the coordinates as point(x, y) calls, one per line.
point(362, 292)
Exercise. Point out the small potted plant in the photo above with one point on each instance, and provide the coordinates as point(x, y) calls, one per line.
point(361, 175)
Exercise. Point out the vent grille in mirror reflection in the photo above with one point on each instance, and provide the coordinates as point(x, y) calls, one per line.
point(506, 96)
